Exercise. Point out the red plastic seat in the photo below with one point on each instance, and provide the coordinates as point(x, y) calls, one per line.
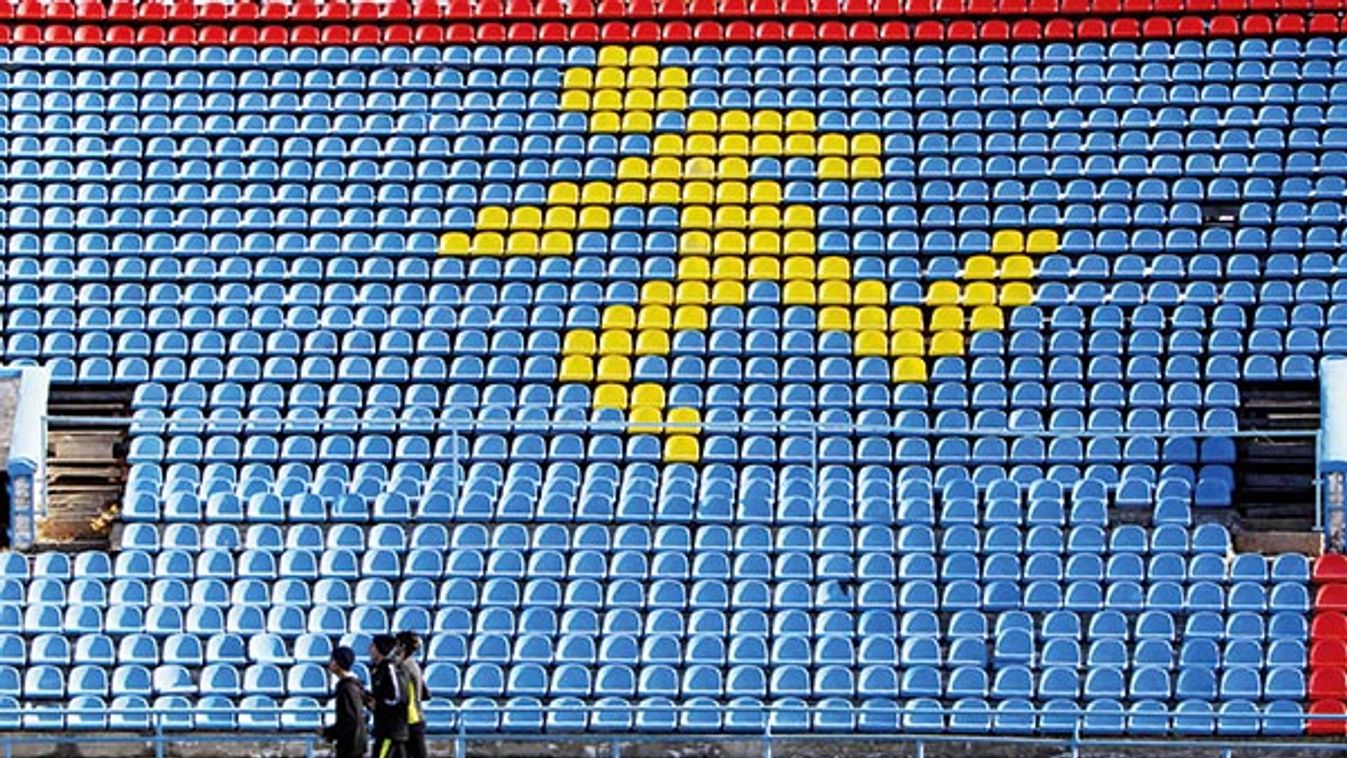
point(398, 34)
point(1331, 597)
point(1331, 567)
point(996, 31)
point(1290, 23)
point(61, 10)
point(706, 31)
point(552, 31)
point(768, 8)
point(961, 31)
point(1092, 28)
point(646, 31)
point(863, 31)
point(585, 31)
point(800, 31)
point(857, 8)
point(458, 9)
point(491, 33)
point(832, 31)
point(336, 35)
point(334, 11)
point(1190, 26)
point(89, 10)
point(1326, 726)
point(677, 31)
point(1058, 28)
point(1124, 28)
point(1323, 23)
point(460, 33)
point(1026, 29)
point(430, 34)
point(929, 31)
point(1328, 683)
point(89, 34)
point(274, 34)
point(212, 35)
point(119, 35)
point(895, 31)
point(770, 31)
point(1157, 27)
point(732, 8)
point(58, 34)
point(243, 34)
point(522, 32)
point(426, 10)
point(490, 9)
point(740, 31)
point(1329, 653)
point(151, 35)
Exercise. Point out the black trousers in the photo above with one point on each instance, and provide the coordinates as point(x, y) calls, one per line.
point(416, 741)
point(386, 748)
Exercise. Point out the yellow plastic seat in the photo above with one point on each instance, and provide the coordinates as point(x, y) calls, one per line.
point(731, 193)
point(1016, 293)
point(762, 269)
point(765, 217)
point(671, 100)
point(642, 75)
point(610, 396)
point(631, 193)
point(557, 243)
point(633, 167)
point(455, 243)
point(619, 317)
point(798, 292)
point(767, 145)
point(699, 193)
point(1041, 241)
point(801, 145)
point(909, 369)
point(577, 78)
point(638, 102)
point(560, 217)
point(866, 144)
point(834, 168)
point(692, 293)
point(979, 293)
point(596, 193)
point(696, 217)
point(655, 317)
point(695, 243)
point(647, 395)
point(732, 169)
point(682, 448)
point(699, 144)
point(606, 103)
point(1017, 267)
point(614, 368)
point(563, 193)
point(728, 268)
point(732, 144)
point(610, 77)
point(1008, 241)
point(730, 242)
point(692, 268)
point(870, 318)
point(645, 420)
point(576, 368)
point(987, 318)
point(488, 243)
point(615, 342)
point(667, 169)
point(731, 217)
point(832, 145)
point(834, 292)
point(612, 55)
point(942, 293)
point(735, 122)
point(907, 343)
point(683, 420)
point(579, 342)
point(765, 193)
point(799, 243)
point(800, 267)
point(870, 292)
point(906, 317)
point(522, 243)
point(947, 317)
point(728, 292)
point(667, 144)
point(673, 76)
point(493, 218)
point(834, 319)
point(764, 243)
point(801, 121)
point(979, 267)
point(652, 342)
point(871, 343)
point(575, 100)
point(702, 122)
point(947, 343)
point(768, 121)
point(526, 218)
point(690, 317)
point(594, 218)
point(834, 267)
point(866, 167)
point(665, 193)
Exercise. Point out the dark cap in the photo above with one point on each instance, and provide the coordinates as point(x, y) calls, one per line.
point(344, 657)
point(384, 643)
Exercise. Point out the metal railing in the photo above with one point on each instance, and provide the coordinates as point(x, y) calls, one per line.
point(456, 723)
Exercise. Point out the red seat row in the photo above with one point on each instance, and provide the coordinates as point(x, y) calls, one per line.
point(1024, 30)
point(309, 11)
point(1328, 648)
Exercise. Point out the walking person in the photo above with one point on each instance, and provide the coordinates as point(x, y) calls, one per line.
point(388, 698)
point(409, 648)
point(347, 732)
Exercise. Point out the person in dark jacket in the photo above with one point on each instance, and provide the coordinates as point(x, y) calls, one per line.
point(347, 732)
point(387, 698)
point(409, 646)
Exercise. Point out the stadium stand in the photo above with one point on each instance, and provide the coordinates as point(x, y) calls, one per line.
point(814, 367)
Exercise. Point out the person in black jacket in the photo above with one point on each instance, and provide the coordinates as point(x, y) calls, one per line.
point(388, 698)
point(347, 733)
point(409, 646)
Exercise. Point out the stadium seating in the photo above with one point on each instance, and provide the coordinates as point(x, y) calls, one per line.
point(689, 387)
